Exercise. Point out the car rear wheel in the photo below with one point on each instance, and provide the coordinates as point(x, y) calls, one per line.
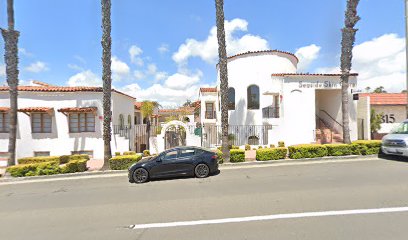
point(140, 175)
point(202, 170)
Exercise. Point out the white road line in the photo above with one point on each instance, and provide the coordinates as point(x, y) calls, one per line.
point(271, 217)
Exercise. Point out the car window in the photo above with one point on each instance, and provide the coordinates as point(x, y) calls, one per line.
point(170, 155)
point(187, 152)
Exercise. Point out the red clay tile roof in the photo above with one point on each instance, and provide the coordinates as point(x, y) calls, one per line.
point(208, 89)
point(386, 98)
point(310, 74)
point(60, 89)
point(4, 109)
point(263, 51)
point(138, 105)
point(77, 109)
point(36, 109)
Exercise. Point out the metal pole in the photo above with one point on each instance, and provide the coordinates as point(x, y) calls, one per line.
point(406, 51)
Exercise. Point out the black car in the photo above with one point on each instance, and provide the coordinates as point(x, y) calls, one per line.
point(180, 161)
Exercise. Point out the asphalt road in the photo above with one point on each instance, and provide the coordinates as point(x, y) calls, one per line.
point(106, 208)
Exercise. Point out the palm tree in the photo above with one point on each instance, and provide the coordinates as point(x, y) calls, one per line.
point(222, 54)
point(147, 110)
point(347, 43)
point(11, 58)
point(107, 80)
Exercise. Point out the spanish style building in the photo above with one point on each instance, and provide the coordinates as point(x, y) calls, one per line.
point(279, 104)
point(55, 120)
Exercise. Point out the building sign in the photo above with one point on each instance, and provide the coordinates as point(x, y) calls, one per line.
point(325, 84)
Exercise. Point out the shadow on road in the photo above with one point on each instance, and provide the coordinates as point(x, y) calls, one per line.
point(178, 177)
point(393, 158)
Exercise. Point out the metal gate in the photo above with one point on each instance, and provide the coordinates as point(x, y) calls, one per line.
point(175, 136)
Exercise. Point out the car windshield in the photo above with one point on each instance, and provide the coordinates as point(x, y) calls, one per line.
point(401, 129)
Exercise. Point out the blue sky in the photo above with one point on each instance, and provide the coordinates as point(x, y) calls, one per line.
point(163, 50)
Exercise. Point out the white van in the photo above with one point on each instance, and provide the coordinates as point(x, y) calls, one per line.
point(396, 142)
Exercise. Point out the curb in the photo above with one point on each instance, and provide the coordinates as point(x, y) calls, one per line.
point(221, 166)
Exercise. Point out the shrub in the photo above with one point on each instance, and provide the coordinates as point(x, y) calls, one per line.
point(271, 154)
point(60, 159)
point(219, 156)
point(129, 153)
point(237, 155)
point(28, 160)
point(307, 151)
point(22, 170)
point(366, 147)
point(259, 147)
point(229, 147)
point(247, 147)
point(123, 162)
point(272, 146)
point(146, 153)
point(117, 153)
point(339, 149)
point(234, 147)
point(281, 144)
point(75, 166)
point(47, 168)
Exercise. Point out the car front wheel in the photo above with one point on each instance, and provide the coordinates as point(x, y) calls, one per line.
point(140, 175)
point(202, 170)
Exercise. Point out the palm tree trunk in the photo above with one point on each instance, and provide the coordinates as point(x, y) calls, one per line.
point(11, 58)
point(222, 53)
point(107, 80)
point(347, 43)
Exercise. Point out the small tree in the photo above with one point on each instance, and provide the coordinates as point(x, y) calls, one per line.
point(376, 120)
point(147, 110)
point(379, 89)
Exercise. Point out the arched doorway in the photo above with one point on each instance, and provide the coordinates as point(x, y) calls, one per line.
point(175, 136)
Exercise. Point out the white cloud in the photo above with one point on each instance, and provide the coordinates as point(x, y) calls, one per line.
point(151, 69)
point(180, 81)
point(138, 75)
point(2, 70)
point(176, 90)
point(164, 48)
point(160, 76)
point(306, 56)
point(75, 67)
point(119, 69)
point(24, 52)
point(379, 62)
point(135, 52)
point(207, 49)
point(37, 67)
point(85, 78)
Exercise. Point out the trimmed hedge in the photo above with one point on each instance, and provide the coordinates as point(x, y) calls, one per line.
point(29, 160)
point(123, 162)
point(34, 169)
point(267, 154)
point(307, 151)
point(74, 166)
point(339, 149)
point(237, 155)
point(247, 147)
point(129, 153)
point(60, 159)
point(146, 153)
point(366, 147)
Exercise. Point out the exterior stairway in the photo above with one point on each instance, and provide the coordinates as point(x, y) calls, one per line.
point(325, 133)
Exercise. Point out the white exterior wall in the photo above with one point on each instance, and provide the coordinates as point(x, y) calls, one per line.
point(256, 70)
point(363, 112)
point(390, 111)
point(122, 105)
point(59, 141)
point(208, 97)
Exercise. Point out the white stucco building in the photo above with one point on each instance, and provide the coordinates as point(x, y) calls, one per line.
point(266, 90)
point(55, 120)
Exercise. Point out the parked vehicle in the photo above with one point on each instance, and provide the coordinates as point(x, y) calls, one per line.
point(396, 143)
point(180, 161)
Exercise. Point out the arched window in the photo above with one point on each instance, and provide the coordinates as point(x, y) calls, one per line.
point(121, 121)
point(253, 140)
point(130, 121)
point(231, 98)
point(253, 97)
